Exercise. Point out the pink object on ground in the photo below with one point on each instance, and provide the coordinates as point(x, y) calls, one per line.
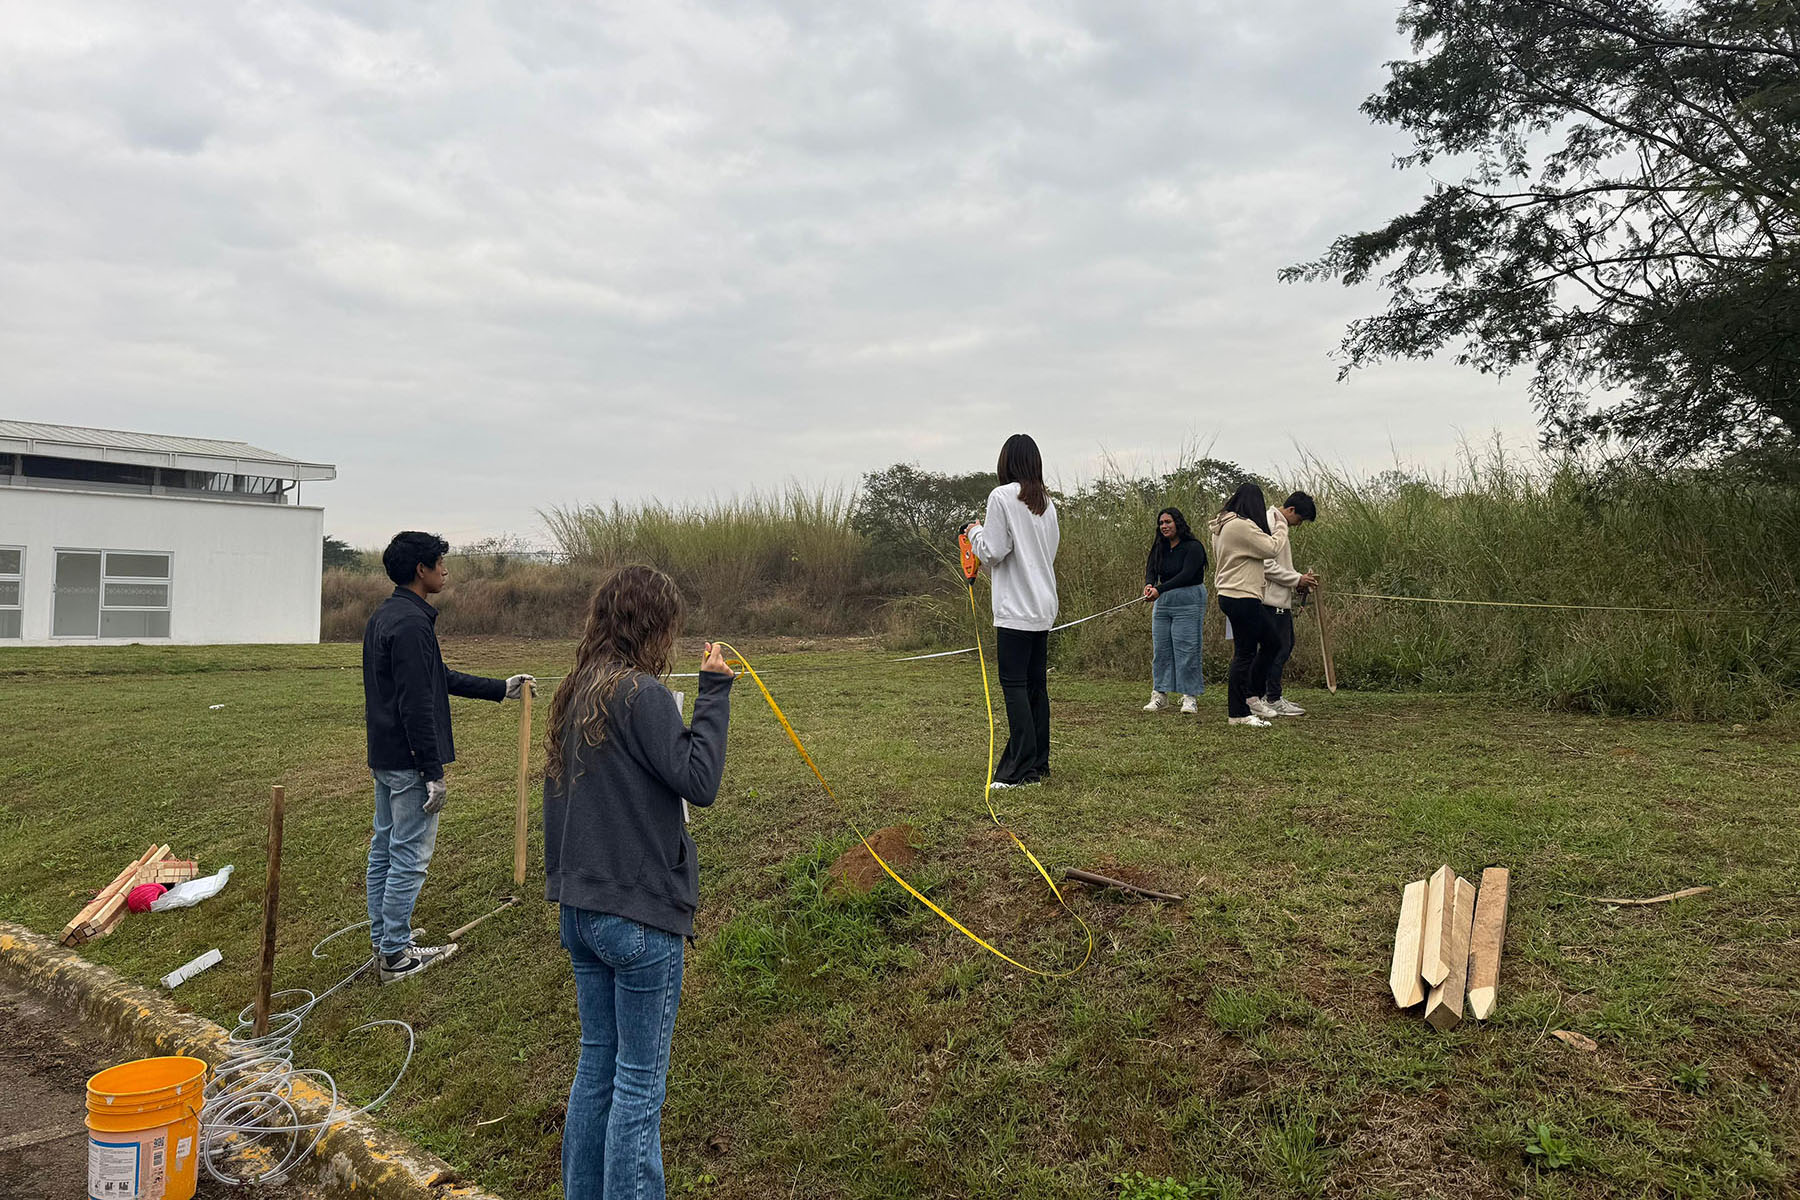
point(141, 896)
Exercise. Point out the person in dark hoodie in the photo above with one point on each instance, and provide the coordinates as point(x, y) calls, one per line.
point(406, 707)
point(618, 859)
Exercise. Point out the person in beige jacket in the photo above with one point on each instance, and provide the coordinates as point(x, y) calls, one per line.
point(1242, 542)
point(1281, 582)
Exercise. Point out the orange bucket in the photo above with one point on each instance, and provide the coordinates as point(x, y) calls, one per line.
point(143, 1122)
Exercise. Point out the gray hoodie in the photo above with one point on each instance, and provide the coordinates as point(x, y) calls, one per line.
point(614, 838)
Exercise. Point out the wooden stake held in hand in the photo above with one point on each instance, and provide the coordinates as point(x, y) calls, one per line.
point(520, 820)
point(1318, 595)
point(265, 979)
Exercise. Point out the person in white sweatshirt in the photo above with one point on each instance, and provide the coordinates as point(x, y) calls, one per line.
point(1017, 544)
point(1280, 584)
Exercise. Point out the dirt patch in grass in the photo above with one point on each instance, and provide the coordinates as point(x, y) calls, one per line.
point(856, 870)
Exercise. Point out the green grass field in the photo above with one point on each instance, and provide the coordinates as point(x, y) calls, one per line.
point(1239, 1044)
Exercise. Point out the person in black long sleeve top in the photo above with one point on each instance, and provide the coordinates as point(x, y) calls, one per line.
point(406, 708)
point(1175, 577)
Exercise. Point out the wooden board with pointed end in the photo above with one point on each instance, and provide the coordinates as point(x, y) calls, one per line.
point(1440, 904)
point(1324, 640)
point(1444, 1003)
point(73, 932)
point(1485, 942)
point(522, 816)
point(1404, 979)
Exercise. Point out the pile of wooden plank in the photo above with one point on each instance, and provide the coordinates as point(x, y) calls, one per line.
point(1447, 945)
point(104, 912)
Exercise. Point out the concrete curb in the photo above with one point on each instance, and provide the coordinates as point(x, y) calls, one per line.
point(356, 1158)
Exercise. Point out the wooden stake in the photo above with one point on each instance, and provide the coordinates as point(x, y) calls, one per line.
point(1484, 943)
point(519, 822)
point(265, 979)
point(1404, 979)
point(1440, 907)
point(1444, 1004)
point(122, 879)
point(108, 916)
point(1318, 594)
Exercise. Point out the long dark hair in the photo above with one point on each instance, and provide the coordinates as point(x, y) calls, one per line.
point(1021, 463)
point(1159, 546)
point(632, 621)
point(1247, 502)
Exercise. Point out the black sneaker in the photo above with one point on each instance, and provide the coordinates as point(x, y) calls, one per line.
point(375, 947)
point(412, 960)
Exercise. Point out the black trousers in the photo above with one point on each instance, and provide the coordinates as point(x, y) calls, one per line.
point(1249, 630)
point(1272, 659)
point(1024, 681)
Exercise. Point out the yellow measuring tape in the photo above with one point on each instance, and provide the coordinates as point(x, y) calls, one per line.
point(986, 796)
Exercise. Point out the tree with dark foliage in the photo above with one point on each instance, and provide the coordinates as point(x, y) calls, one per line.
point(1627, 223)
point(910, 516)
point(338, 553)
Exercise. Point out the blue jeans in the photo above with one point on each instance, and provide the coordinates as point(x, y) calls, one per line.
point(405, 835)
point(1175, 627)
point(627, 984)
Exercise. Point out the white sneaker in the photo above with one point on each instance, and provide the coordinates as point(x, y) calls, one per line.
point(1260, 707)
point(1250, 720)
point(1188, 705)
point(1158, 702)
point(1286, 708)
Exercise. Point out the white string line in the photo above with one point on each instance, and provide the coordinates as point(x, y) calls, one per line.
point(1744, 612)
point(921, 657)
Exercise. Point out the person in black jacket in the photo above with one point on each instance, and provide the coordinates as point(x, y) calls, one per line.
point(618, 763)
point(406, 706)
point(1175, 577)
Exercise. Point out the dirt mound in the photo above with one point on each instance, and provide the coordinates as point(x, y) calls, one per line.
point(856, 869)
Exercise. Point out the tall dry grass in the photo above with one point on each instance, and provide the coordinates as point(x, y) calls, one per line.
point(1494, 528)
point(767, 562)
point(1502, 529)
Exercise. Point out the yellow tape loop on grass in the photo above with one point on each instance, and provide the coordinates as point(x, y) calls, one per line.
point(986, 795)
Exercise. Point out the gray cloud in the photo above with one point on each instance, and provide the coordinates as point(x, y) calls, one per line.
point(493, 257)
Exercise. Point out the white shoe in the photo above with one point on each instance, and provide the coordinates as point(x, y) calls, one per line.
point(1188, 705)
point(1250, 720)
point(1260, 707)
point(1286, 708)
point(1158, 702)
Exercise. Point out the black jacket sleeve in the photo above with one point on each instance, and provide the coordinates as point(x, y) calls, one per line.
point(689, 761)
point(474, 687)
point(1150, 569)
point(411, 656)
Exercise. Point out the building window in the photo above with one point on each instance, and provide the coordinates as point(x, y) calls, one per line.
point(111, 593)
point(12, 583)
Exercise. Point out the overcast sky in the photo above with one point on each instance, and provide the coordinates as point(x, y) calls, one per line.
point(489, 258)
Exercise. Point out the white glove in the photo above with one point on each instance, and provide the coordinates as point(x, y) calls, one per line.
point(436, 792)
point(515, 685)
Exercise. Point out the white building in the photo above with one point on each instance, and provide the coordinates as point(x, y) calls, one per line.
point(109, 538)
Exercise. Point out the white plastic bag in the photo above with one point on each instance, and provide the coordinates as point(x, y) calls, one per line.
point(184, 895)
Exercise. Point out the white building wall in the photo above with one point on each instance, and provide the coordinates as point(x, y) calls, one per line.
point(240, 572)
